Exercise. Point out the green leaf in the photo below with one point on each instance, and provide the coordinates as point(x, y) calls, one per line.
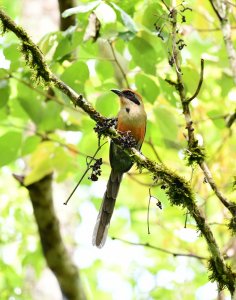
point(40, 162)
point(81, 8)
point(127, 20)
point(143, 54)
point(3, 73)
point(126, 36)
point(33, 108)
point(63, 48)
point(10, 144)
point(48, 41)
point(70, 40)
point(166, 122)
point(107, 105)
point(106, 14)
point(30, 100)
point(89, 50)
point(168, 92)
point(4, 92)
point(30, 144)
point(190, 79)
point(51, 118)
point(104, 69)
point(13, 54)
point(218, 122)
point(76, 75)
point(147, 87)
point(64, 163)
point(150, 17)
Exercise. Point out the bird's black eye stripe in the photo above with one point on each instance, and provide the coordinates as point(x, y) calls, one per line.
point(131, 96)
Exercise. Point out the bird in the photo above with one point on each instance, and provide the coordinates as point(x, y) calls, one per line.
point(131, 118)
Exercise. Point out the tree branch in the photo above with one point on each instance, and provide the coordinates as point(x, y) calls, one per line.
point(196, 152)
point(54, 250)
point(65, 23)
point(175, 254)
point(215, 265)
point(177, 189)
point(221, 8)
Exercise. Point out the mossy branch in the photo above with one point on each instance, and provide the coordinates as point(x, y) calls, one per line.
point(177, 188)
point(195, 153)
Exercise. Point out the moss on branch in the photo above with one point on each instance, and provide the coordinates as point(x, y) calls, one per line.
point(177, 188)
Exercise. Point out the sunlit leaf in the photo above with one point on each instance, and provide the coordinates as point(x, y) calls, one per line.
point(127, 20)
point(107, 104)
point(143, 54)
point(217, 118)
point(76, 75)
point(152, 14)
point(10, 144)
point(30, 144)
point(34, 111)
point(51, 118)
point(105, 70)
point(81, 8)
point(40, 162)
point(4, 92)
point(165, 121)
point(13, 56)
point(147, 87)
point(105, 13)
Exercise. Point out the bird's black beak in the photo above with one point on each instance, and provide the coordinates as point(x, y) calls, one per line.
point(117, 92)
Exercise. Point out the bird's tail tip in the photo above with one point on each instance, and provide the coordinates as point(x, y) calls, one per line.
point(99, 233)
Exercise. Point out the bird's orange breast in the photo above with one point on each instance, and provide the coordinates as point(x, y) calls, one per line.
point(138, 132)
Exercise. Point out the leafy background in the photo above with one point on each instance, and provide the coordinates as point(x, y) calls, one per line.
point(40, 134)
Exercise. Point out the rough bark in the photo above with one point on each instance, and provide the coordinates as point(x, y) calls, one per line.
point(69, 21)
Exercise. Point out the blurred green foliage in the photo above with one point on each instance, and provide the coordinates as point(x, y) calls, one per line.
point(41, 133)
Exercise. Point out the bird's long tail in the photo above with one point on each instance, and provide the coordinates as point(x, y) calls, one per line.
point(106, 209)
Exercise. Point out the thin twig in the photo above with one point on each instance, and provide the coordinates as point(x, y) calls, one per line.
point(175, 254)
point(148, 210)
point(229, 205)
point(85, 172)
point(167, 7)
point(216, 9)
point(199, 83)
point(150, 143)
point(118, 63)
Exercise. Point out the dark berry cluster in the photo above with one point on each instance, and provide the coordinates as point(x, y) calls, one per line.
point(126, 140)
point(96, 170)
point(102, 127)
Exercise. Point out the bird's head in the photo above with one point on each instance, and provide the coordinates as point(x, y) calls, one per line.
point(129, 97)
